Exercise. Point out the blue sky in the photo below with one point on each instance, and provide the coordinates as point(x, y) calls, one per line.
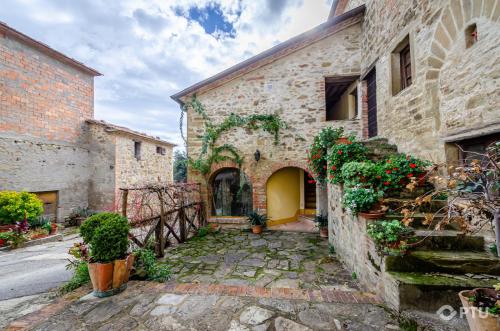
point(148, 50)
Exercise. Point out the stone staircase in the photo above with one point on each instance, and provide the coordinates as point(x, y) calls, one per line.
point(444, 262)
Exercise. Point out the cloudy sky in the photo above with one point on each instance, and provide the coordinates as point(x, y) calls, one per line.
point(148, 50)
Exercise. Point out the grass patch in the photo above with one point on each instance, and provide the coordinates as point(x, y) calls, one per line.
point(80, 277)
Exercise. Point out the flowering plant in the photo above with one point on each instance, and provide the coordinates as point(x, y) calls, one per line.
point(317, 153)
point(358, 199)
point(360, 173)
point(341, 154)
point(398, 170)
point(390, 236)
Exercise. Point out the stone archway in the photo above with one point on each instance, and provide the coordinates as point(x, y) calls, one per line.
point(456, 74)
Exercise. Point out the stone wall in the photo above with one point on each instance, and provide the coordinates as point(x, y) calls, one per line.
point(150, 168)
point(37, 165)
point(454, 89)
point(293, 88)
point(42, 97)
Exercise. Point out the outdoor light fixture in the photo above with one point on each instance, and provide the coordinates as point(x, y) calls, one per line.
point(257, 155)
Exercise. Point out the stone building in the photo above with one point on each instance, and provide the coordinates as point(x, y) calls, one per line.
point(47, 147)
point(423, 74)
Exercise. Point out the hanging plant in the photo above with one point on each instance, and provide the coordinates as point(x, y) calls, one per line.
point(317, 153)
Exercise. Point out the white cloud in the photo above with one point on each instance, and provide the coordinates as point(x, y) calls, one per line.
point(147, 52)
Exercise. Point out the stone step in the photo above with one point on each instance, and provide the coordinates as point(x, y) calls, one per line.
point(379, 148)
point(452, 262)
point(448, 240)
point(430, 291)
point(419, 220)
point(230, 222)
point(399, 203)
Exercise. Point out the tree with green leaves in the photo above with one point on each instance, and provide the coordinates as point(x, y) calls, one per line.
point(180, 166)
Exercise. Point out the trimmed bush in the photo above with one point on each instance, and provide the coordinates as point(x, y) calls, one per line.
point(107, 236)
point(15, 206)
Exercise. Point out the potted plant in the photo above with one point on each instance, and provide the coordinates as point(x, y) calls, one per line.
point(364, 201)
point(390, 237)
point(257, 221)
point(106, 234)
point(322, 223)
point(340, 154)
point(482, 308)
point(18, 206)
point(53, 228)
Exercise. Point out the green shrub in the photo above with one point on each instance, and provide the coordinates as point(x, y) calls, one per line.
point(317, 152)
point(39, 222)
point(107, 236)
point(7, 236)
point(359, 199)
point(146, 266)
point(15, 206)
point(389, 234)
point(360, 173)
point(80, 277)
point(397, 171)
point(339, 155)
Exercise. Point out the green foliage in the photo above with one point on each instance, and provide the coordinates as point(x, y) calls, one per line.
point(331, 249)
point(180, 166)
point(389, 234)
point(15, 206)
point(354, 275)
point(358, 199)
point(269, 123)
point(340, 154)
point(80, 277)
point(493, 249)
point(359, 173)
point(396, 171)
point(7, 236)
point(146, 266)
point(17, 239)
point(39, 222)
point(321, 220)
point(257, 219)
point(107, 236)
point(317, 153)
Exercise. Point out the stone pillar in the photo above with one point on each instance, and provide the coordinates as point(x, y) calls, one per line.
point(321, 199)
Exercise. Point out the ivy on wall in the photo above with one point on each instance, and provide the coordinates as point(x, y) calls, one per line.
point(210, 153)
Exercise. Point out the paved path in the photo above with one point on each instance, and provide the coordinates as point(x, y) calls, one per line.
point(33, 270)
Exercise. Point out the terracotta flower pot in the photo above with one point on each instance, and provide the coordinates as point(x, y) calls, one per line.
point(372, 214)
point(257, 229)
point(323, 232)
point(343, 140)
point(478, 320)
point(110, 278)
point(53, 228)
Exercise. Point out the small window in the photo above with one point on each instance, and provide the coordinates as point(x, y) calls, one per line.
point(401, 65)
point(340, 98)
point(137, 150)
point(470, 35)
point(160, 150)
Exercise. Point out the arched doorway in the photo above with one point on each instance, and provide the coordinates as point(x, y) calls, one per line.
point(290, 192)
point(231, 193)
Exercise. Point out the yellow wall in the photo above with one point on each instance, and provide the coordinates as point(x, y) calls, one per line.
point(283, 194)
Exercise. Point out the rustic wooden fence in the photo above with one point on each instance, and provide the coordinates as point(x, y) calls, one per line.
point(161, 214)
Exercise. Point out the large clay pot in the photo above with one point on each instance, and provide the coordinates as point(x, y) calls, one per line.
point(323, 232)
point(110, 278)
point(257, 229)
point(478, 320)
point(372, 214)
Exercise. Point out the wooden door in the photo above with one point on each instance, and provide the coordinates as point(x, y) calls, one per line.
point(49, 203)
point(371, 82)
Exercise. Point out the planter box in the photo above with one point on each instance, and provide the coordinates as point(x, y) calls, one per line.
point(478, 320)
point(110, 278)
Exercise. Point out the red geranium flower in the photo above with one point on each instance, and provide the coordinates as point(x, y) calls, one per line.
point(388, 171)
point(395, 169)
point(339, 152)
point(379, 177)
point(386, 183)
point(334, 167)
point(413, 165)
point(410, 175)
point(388, 161)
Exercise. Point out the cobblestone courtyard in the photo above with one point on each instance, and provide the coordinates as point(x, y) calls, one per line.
point(272, 259)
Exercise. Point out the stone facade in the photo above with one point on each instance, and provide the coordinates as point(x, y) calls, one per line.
point(46, 144)
point(292, 87)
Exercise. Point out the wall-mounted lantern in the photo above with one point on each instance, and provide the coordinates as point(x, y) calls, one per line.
point(257, 155)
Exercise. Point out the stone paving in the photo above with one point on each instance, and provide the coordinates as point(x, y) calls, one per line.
point(272, 259)
point(150, 306)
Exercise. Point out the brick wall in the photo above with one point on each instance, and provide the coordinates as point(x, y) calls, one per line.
point(40, 96)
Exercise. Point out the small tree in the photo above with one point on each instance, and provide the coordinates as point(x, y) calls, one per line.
point(472, 191)
point(180, 166)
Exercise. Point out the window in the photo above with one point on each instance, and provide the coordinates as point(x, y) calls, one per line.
point(231, 194)
point(401, 66)
point(137, 150)
point(472, 149)
point(160, 150)
point(340, 98)
point(470, 35)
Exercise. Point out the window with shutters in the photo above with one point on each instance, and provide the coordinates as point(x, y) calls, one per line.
point(402, 66)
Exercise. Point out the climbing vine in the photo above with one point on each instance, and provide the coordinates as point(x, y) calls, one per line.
point(210, 153)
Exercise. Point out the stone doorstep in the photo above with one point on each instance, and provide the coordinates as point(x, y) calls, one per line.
point(330, 296)
point(55, 237)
